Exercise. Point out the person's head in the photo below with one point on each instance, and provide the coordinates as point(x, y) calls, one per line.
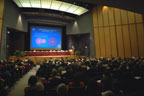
point(60, 69)
point(93, 89)
point(32, 80)
point(62, 89)
point(54, 71)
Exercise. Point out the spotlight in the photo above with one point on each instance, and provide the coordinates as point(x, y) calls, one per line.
point(8, 32)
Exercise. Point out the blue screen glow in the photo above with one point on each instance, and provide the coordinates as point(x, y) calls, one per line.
point(45, 37)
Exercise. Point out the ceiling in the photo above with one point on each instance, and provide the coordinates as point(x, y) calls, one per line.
point(57, 17)
point(49, 17)
point(59, 5)
point(52, 12)
point(131, 5)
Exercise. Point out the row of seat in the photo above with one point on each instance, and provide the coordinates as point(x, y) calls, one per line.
point(10, 72)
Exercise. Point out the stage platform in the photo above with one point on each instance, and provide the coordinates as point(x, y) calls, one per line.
point(47, 53)
point(40, 59)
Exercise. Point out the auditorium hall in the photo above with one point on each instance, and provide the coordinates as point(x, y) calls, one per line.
point(71, 48)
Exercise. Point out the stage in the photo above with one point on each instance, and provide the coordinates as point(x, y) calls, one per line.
point(40, 59)
point(47, 53)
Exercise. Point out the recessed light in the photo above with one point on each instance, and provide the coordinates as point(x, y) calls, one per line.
point(8, 32)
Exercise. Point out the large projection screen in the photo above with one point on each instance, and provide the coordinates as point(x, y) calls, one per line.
point(45, 38)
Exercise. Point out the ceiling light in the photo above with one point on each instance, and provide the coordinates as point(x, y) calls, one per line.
point(56, 5)
point(35, 3)
point(65, 6)
point(52, 4)
point(46, 3)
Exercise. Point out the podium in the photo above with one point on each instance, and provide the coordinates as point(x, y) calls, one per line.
point(71, 51)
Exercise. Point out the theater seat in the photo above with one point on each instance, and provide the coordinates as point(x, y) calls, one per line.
point(76, 91)
point(51, 92)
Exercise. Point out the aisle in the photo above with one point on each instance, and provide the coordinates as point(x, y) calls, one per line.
point(18, 88)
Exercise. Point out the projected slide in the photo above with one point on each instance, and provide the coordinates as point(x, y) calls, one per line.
point(45, 38)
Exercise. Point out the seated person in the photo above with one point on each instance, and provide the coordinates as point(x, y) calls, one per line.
point(54, 80)
point(3, 87)
point(93, 88)
point(77, 80)
point(62, 89)
point(33, 89)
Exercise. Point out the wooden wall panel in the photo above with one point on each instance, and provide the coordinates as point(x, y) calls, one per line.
point(100, 18)
point(139, 18)
point(131, 17)
point(126, 38)
point(97, 42)
point(102, 41)
point(95, 20)
point(118, 33)
point(107, 42)
point(124, 17)
point(117, 16)
point(133, 36)
point(1, 8)
point(120, 41)
point(1, 20)
point(113, 41)
point(0, 31)
point(111, 16)
point(105, 16)
point(140, 32)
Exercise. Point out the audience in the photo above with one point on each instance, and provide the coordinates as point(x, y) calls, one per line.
point(11, 71)
point(97, 76)
point(68, 77)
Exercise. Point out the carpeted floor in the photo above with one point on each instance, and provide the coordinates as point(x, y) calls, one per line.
point(18, 88)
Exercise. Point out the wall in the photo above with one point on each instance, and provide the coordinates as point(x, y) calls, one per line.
point(12, 19)
point(1, 18)
point(83, 24)
point(117, 33)
point(13, 39)
point(80, 42)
